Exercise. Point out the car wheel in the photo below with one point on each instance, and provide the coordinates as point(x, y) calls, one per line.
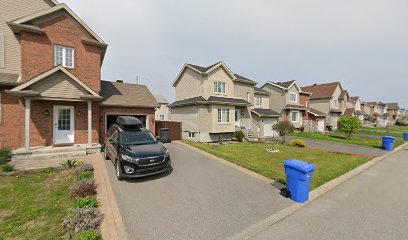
point(105, 154)
point(119, 174)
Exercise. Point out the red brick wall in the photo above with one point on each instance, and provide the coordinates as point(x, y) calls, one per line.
point(41, 131)
point(37, 51)
point(125, 111)
point(11, 120)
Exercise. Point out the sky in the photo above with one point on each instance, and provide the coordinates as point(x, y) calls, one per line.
point(362, 43)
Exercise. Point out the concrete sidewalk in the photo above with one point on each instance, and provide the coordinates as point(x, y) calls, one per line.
point(371, 205)
point(342, 147)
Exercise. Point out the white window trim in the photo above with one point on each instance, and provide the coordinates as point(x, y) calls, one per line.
point(191, 135)
point(293, 94)
point(64, 64)
point(259, 101)
point(298, 116)
point(220, 119)
point(160, 117)
point(216, 88)
point(2, 51)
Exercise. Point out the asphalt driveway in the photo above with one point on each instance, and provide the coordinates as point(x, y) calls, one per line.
point(201, 199)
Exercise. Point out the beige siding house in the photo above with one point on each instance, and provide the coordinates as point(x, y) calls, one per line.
point(330, 99)
point(213, 102)
point(162, 112)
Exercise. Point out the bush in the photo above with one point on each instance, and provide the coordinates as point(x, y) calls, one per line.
point(83, 219)
point(7, 168)
point(402, 121)
point(297, 143)
point(220, 141)
point(349, 125)
point(84, 168)
point(83, 188)
point(48, 170)
point(4, 154)
point(86, 202)
point(84, 175)
point(90, 234)
point(284, 127)
point(239, 135)
point(70, 163)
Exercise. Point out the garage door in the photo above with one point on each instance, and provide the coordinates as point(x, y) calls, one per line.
point(268, 131)
point(111, 119)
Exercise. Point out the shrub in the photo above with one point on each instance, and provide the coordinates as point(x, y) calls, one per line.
point(284, 127)
point(83, 219)
point(89, 234)
point(84, 175)
point(239, 135)
point(70, 163)
point(84, 168)
point(86, 202)
point(48, 170)
point(4, 154)
point(220, 141)
point(83, 188)
point(402, 121)
point(349, 125)
point(7, 167)
point(297, 143)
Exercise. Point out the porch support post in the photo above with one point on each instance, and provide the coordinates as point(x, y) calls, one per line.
point(27, 123)
point(89, 122)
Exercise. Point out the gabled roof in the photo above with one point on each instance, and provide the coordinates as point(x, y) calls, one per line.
point(325, 90)
point(316, 113)
point(207, 70)
point(354, 99)
point(60, 7)
point(48, 73)
point(260, 91)
point(283, 85)
point(371, 103)
point(343, 94)
point(127, 95)
point(265, 112)
point(393, 106)
point(349, 112)
point(161, 99)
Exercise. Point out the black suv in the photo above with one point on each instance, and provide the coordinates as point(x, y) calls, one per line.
point(134, 150)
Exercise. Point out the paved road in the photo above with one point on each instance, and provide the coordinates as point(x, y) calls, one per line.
point(342, 147)
point(372, 205)
point(201, 199)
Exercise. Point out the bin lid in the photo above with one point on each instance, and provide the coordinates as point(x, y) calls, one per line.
point(388, 137)
point(299, 165)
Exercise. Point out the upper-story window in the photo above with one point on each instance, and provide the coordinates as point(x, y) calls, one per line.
point(64, 56)
point(259, 101)
point(219, 87)
point(293, 97)
point(2, 55)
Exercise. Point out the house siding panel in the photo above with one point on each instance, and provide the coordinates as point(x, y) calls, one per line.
point(190, 85)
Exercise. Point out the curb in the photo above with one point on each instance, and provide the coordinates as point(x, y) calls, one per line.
point(315, 194)
point(112, 226)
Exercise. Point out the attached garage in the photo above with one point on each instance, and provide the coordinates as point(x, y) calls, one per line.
point(266, 118)
point(126, 99)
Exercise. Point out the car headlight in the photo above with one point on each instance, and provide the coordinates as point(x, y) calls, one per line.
point(166, 153)
point(128, 159)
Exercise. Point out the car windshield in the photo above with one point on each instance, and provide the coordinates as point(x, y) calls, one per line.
point(136, 138)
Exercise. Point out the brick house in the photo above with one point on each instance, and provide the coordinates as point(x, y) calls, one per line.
point(51, 93)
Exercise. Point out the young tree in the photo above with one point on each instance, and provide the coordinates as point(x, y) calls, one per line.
point(284, 127)
point(349, 125)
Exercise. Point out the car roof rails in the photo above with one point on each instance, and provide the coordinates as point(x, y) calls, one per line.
point(128, 121)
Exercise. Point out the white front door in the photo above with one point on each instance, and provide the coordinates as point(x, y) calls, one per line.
point(268, 130)
point(237, 117)
point(64, 131)
point(320, 125)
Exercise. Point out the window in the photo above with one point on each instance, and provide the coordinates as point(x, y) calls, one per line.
point(223, 115)
point(259, 101)
point(64, 56)
point(191, 135)
point(293, 97)
point(161, 117)
point(219, 87)
point(295, 116)
point(2, 55)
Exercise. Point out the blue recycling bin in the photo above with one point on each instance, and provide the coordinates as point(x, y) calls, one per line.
point(388, 143)
point(298, 176)
point(405, 136)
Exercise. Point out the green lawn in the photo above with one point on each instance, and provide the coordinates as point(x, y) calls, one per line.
point(388, 129)
point(380, 133)
point(254, 157)
point(32, 206)
point(371, 142)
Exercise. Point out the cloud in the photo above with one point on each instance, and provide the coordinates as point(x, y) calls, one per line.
point(363, 43)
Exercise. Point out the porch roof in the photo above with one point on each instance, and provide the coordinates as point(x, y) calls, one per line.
point(265, 112)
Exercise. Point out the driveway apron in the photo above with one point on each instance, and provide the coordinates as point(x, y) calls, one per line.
point(200, 199)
